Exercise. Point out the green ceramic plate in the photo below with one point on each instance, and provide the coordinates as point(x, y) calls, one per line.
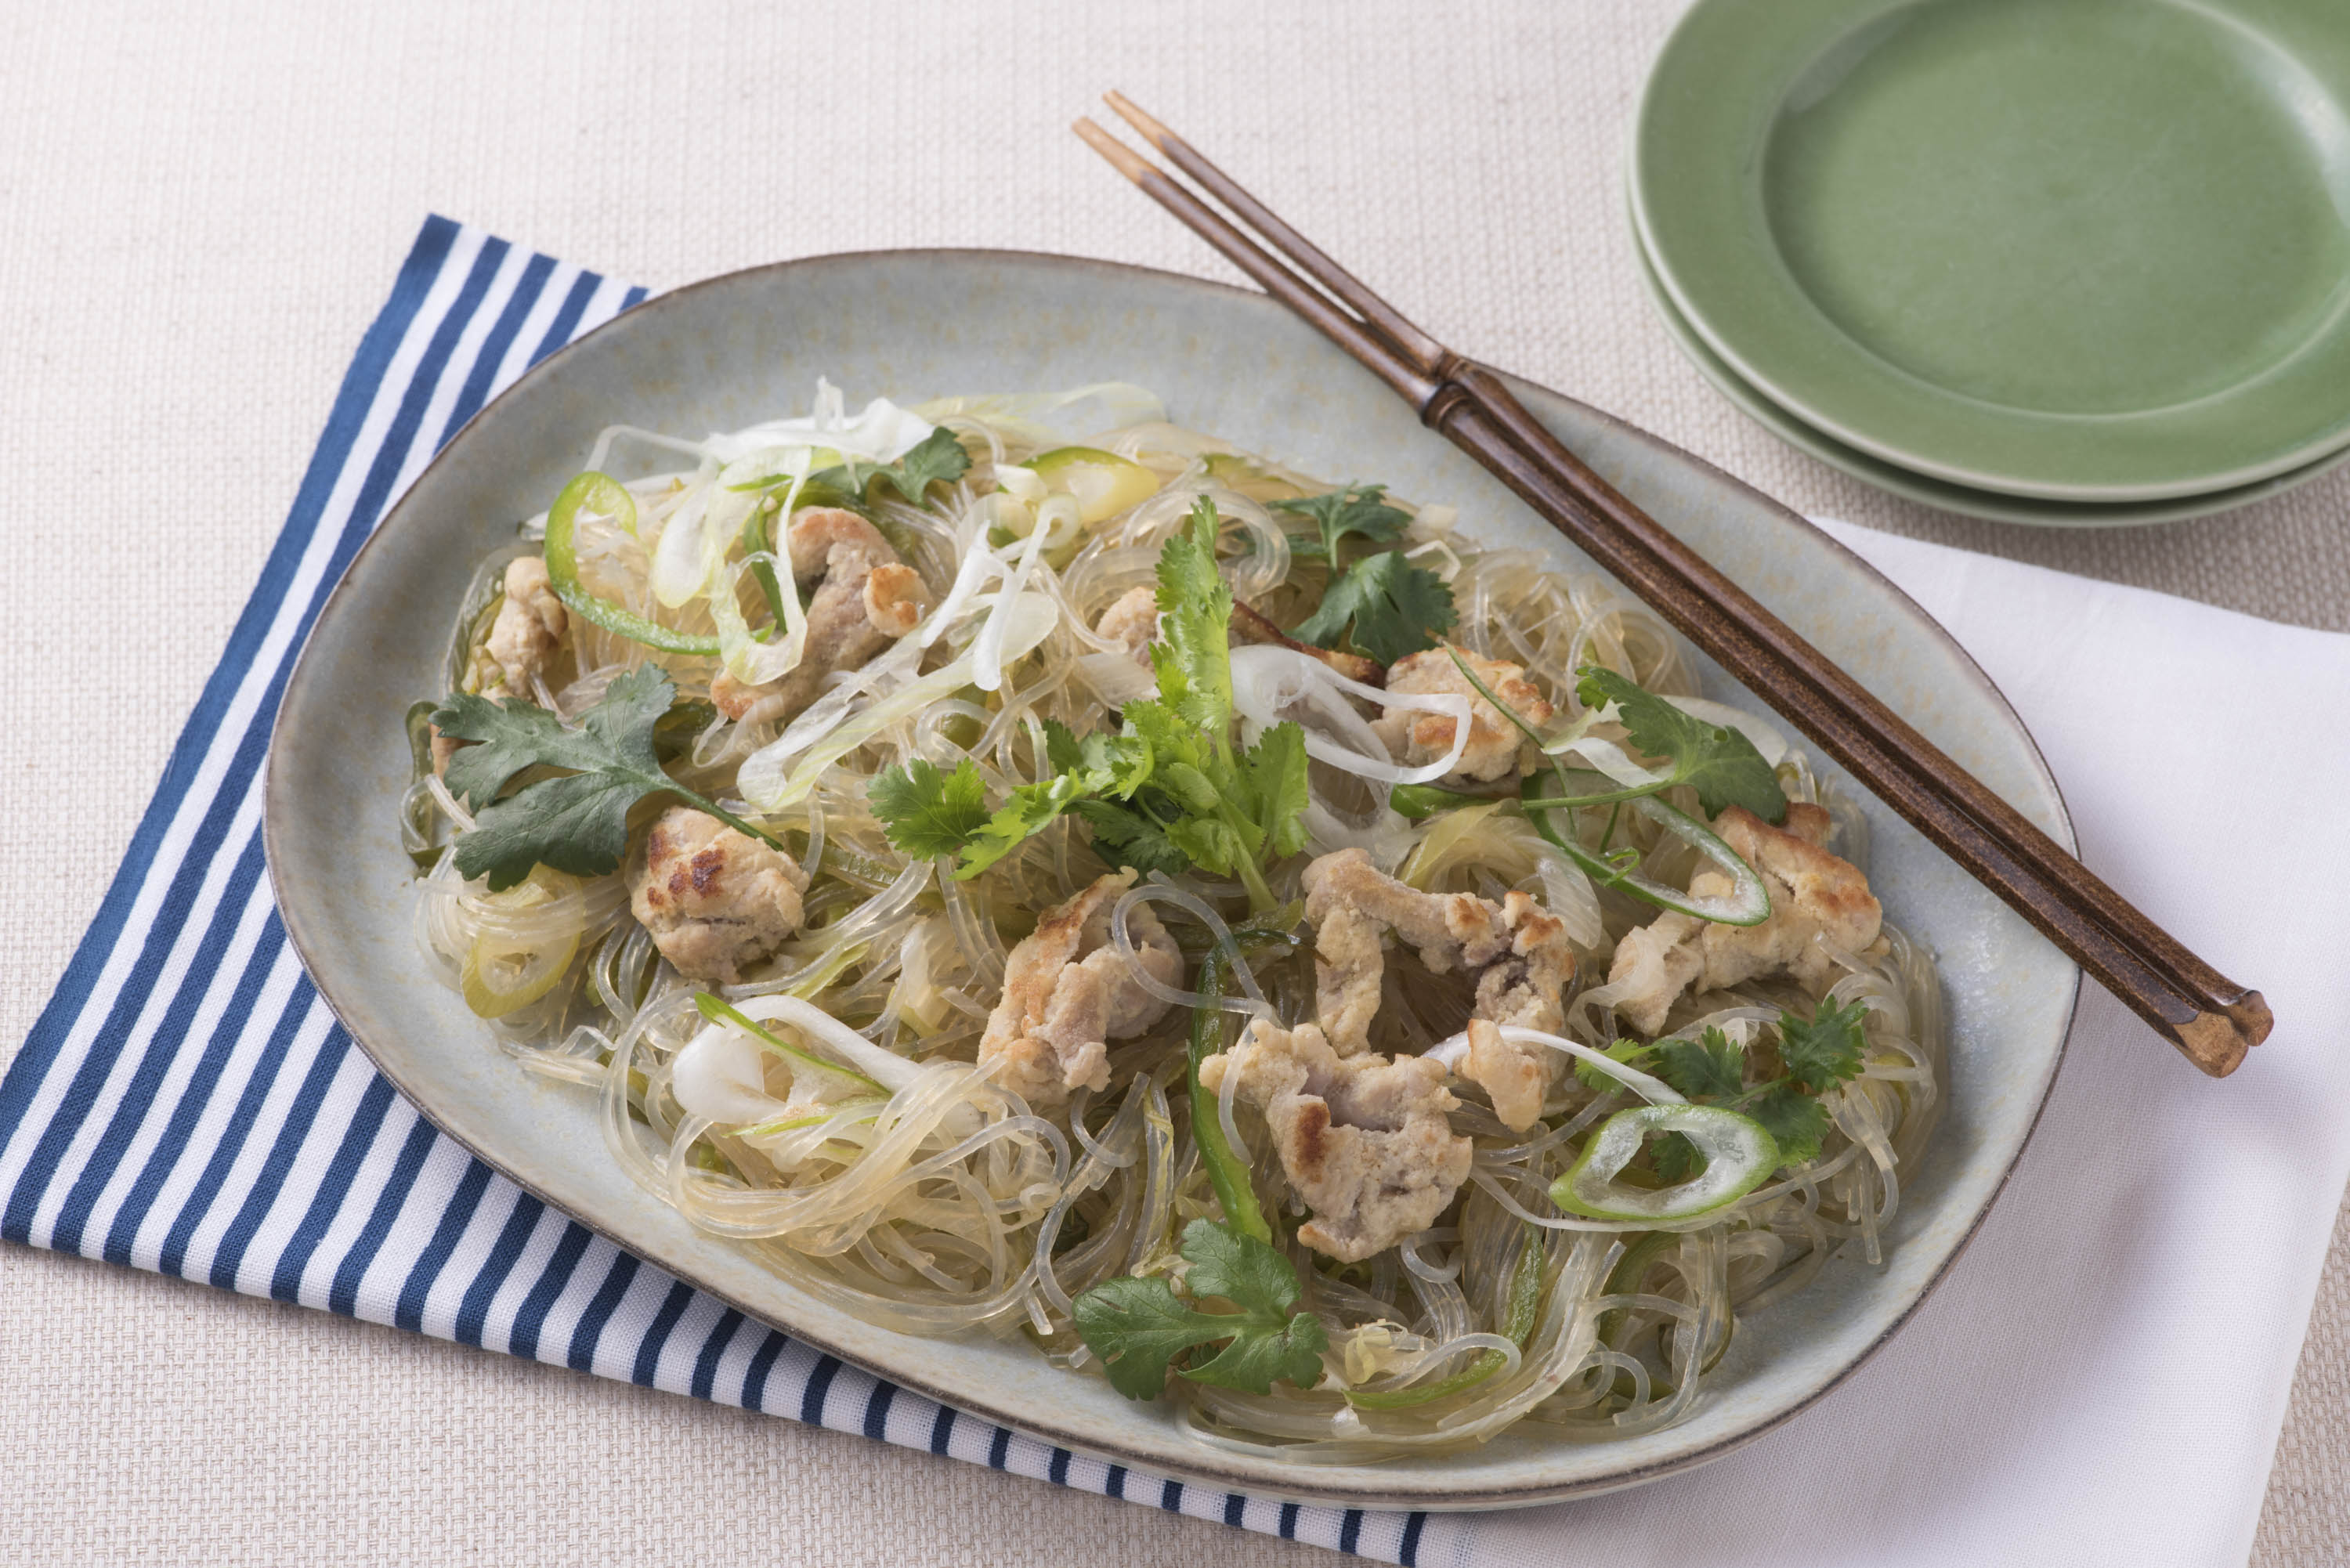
point(2083, 250)
point(1937, 493)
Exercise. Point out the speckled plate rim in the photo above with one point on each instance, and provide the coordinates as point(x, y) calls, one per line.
point(1708, 249)
point(1925, 489)
point(1367, 1486)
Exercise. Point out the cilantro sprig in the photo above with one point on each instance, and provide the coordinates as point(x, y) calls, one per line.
point(1170, 790)
point(1719, 763)
point(1140, 1328)
point(1393, 607)
point(1825, 1049)
point(937, 458)
point(928, 814)
point(1353, 509)
point(578, 822)
point(1818, 1053)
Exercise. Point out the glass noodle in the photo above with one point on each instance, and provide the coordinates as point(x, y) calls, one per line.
point(895, 1179)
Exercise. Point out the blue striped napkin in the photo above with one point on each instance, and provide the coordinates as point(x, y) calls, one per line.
point(186, 1103)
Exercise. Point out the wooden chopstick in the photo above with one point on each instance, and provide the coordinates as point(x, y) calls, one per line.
point(2116, 940)
point(2210, 1018)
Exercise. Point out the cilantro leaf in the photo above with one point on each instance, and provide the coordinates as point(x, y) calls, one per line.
point(936, 456)
point(515, 735)
point(1709, 1069)
point(1139, 1327)
point(1395, 607)
point(1675, 1158)
point(1631, 1053)
point(1823, 1050)
point(1276, 770)
point(1125, 836)
point(1210, 842)
point(1063, 751)
point(1121, 763)
point(1718, 762)
point(1793, 1118)
point(1099, 765)
point(1113, 764)
point(1194, 657)
point(927, 813)
point(1712, 1066)
point(1025, 813)
point(1292, 1352)
point(1356, 509)
point(1818, 1053)
point(578, 822)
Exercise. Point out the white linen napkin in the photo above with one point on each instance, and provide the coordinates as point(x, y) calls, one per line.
point(2101, 1377)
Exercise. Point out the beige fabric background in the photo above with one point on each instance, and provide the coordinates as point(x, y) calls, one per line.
point(200, 208)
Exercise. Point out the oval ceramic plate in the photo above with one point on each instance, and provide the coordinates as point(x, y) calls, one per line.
point(2083, 250)
point(1936, 493)
point(724, 353)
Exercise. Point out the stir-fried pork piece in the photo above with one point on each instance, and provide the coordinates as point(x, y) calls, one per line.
point(1068, 993)
point(1362, 1138)
point(525, 636)
point(529, 627)
point(1812, 894)
point(1132, 622)
point(1417, 738)
point(1519, 1080)
point(1519, 949)
point(866, 599)
point(714, 900)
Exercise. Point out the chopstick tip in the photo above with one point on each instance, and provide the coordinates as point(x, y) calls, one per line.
point(1152, 131)
point(1128, 162)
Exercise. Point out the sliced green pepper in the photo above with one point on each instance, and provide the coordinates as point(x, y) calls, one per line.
point(1415, 801)
point(1226, 1174)
point(1517, 1322)
point(755, 541)
point(1626, 1276)
point(1738, 1153)
point(605, 493)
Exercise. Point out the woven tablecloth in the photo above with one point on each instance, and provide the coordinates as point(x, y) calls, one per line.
point(198, 208)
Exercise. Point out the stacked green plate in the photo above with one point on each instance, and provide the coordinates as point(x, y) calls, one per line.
point(2068, 261)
